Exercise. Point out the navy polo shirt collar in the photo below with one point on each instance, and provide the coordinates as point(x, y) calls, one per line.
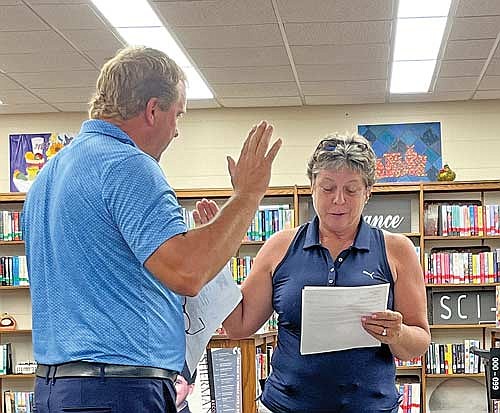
point(106, 128)
point(362, 241)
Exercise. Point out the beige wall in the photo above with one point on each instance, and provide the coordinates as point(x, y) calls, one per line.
point(470, 137)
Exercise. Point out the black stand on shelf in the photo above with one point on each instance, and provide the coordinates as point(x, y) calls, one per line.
point(491, 360)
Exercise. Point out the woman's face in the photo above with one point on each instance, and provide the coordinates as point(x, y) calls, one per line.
point(338, 198)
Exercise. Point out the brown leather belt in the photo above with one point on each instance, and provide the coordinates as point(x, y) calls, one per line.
point(87, 369)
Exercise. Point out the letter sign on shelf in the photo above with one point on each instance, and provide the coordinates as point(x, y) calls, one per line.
point(463, 307)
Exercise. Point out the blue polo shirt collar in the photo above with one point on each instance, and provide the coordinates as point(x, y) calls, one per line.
point(106, 128)
point(362, 241)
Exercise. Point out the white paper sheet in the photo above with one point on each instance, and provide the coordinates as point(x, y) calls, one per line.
point(331, 317)
point(204, 313)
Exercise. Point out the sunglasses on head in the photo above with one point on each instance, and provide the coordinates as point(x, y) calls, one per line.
point(331, 144)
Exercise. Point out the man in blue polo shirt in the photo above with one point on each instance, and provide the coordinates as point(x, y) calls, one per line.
point(109, 254)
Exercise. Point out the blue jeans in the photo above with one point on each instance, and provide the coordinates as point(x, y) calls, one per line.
point(104, 395)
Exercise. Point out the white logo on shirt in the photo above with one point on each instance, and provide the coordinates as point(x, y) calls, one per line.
point(370, 274)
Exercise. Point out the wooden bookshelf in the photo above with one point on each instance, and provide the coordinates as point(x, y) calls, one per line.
point(248, 348)
point(298, 196)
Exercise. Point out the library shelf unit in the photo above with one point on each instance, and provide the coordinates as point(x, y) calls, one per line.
point(248, 348)
point(416, 195)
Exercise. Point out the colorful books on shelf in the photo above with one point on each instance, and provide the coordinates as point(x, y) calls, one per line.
point(453, 358)
point(461, 219)
point(13, 271)
point(18, 401)
point(240, 267)
point(5, 359)
point(414, 362)
point(268, 220)
point(410, 392)
point(467, 265)
point(10, 226)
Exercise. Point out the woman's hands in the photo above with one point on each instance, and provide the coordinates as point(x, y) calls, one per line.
point(205, 211)
point(385, 326)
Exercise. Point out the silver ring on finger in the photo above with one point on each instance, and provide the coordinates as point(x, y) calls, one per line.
point(384, 332)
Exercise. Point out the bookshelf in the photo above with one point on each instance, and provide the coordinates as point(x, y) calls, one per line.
point(414, 195)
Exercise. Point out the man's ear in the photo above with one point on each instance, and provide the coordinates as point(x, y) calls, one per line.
point(151, 107)
point(191, 388)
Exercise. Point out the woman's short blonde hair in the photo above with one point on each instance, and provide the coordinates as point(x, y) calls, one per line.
point(336, 152)
point(130, 79)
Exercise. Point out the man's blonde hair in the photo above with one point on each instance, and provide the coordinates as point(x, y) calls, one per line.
point(130, 79)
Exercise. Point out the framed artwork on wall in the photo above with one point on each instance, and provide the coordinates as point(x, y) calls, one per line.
point(406, 152)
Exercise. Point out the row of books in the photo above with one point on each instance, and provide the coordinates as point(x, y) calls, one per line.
point(240, 267)
point(461, 220)
point(18, 401)
point(13, 270)
point(414, 362)
point(10, 226)
point(411, 397)
point(268, 220)
point(462, 267)
point(453, 358)
point(5, 359)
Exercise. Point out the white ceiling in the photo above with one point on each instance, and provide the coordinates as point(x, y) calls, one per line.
point(252, 53)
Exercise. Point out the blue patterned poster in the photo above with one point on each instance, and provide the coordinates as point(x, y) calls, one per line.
point(406, 152)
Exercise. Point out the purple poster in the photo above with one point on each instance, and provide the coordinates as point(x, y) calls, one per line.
point(29, 153)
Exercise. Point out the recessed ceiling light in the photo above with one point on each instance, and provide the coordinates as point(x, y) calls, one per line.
point(139, 25)
point(419, 34)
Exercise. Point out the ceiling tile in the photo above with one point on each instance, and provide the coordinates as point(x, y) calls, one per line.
point(249, 74)
point(335, 11)
point(478, 8)
point(7, 84)
point(331, 54)
point(216, 13)
point(345, 100)
point(343, 88)
point(445, 84)
point(202, 104)
point(32, 42)
point(253, 90)
point(260, 102)
point(59, 2)
point(26, 108)
point(493, 67)
point(465, 28)
point(490, 83)
point(432, 97)
point(70, 16)
point(342, 72)
point(72, 107)
point(451, 68)
point(94, 39)
point(468, 49)
point(487, 94)
point(243, 57)
point(15, 63)
point(259, 35)
point(60, 78)
point(100, 56)
point(20, 97)
point(338, 33)
point(9, 2)
point(16, 17)
point(68, 95)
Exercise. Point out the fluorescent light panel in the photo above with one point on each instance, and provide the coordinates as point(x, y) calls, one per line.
point(138, 24)
point(419, 35)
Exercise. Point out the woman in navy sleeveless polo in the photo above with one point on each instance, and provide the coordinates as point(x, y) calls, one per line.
point(337, 248)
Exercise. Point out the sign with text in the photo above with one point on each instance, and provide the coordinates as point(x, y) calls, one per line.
point(463, 307)
point(393, 215)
